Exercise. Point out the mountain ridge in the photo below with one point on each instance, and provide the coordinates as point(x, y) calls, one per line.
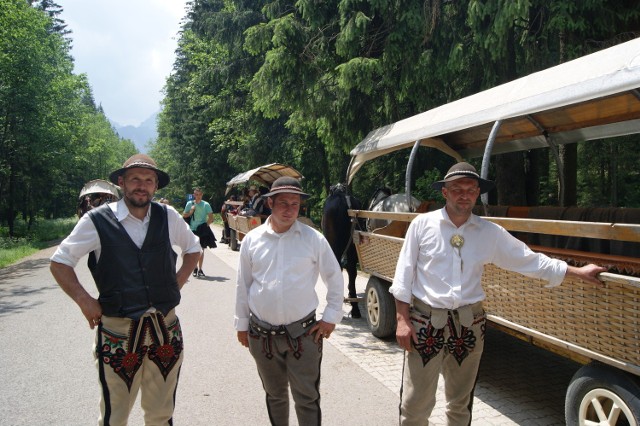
point(142, 134)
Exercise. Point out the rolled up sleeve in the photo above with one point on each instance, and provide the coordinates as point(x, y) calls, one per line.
point(331, 275)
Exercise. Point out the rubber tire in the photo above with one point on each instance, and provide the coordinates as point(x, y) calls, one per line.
point(606, 383)
point(381, 308)
point(233, 240)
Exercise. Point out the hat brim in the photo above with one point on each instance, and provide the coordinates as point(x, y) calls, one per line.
point(485, 185)
point(163, 178)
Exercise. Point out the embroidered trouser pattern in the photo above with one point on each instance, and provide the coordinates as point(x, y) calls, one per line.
point(455, 351)
point(283, 361)
point(132, 355)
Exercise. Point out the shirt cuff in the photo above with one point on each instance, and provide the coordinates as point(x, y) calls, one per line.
point(62, 258)
point(400, 294)
point(332, 316)
point(558, 276)
point(241, 324)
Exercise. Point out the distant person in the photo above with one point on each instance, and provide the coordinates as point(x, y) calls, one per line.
point(84, 206)
point(139, 339)
point(259, 204)
point(247, 197)
point(200, 215)
point(276, 302)
point(227, 208)
point(439, 296)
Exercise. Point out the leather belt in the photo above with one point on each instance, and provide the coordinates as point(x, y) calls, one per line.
point(439, 317)
point(293, 330)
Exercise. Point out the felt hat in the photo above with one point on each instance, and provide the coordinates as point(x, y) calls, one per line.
point(286, 185)
point(464, 170)
point(145, 162)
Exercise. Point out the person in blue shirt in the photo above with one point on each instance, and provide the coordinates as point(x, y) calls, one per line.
point(199, 212)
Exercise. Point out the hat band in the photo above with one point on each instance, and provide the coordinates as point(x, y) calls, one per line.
point(286, 188)
point(140, 164)
point(462, 172)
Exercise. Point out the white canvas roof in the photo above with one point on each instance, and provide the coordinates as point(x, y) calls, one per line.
point(264, 174)
point(565, 92)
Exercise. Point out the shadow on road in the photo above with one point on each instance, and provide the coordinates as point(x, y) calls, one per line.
point(15, 298)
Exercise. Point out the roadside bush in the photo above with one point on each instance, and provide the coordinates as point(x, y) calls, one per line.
point(28, 241)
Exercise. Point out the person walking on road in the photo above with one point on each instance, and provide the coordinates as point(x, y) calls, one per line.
point(439, 295)
point(138, 340)
point(200, 214)
point(276, 302)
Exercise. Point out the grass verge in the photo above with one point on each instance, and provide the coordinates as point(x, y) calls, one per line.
point(28, 241)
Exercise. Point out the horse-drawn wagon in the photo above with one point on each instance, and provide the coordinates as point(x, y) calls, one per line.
point(590, 98)
point(240, 223)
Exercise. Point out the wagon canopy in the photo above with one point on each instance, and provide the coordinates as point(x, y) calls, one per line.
point(264, 174)
point(100, 186)
point(592, 97)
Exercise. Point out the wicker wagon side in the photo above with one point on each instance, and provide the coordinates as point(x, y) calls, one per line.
point(599, 323)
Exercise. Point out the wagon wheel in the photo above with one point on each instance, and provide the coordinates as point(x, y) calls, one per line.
point(381, 308)
point(602, 395)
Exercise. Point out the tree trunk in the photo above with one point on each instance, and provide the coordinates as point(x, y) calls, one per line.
point(510, 179)
point(532, 176)
point(569, 157)
point(613, 174)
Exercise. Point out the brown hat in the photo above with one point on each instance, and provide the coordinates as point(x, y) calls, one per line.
point(464, 170)
point(286, 185)
point(145, 162)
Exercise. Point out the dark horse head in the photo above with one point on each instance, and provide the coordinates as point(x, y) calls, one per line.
point(337, 229)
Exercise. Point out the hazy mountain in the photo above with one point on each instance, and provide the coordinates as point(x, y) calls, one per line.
point(140, 135)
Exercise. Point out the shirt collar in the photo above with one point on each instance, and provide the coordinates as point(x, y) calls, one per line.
point(121, 210)
point(294, 228)
point(473, 219)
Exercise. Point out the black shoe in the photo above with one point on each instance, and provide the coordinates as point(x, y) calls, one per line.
point(195, 272)
point(200, 273)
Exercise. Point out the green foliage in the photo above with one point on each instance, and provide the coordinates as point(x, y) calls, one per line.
point(54, 138)
point(423, 190)
point(612, 178)
point(302, 82)
point(294, 82)
point(29, 239)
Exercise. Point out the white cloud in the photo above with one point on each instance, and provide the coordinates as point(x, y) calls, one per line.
point(127, 49)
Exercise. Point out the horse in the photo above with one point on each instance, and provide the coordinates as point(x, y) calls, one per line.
point(337, 228)
point(384, 201)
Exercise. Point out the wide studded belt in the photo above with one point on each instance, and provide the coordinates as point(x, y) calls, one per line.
point(293, 330)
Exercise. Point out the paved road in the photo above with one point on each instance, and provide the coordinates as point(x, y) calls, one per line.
point(48, 376)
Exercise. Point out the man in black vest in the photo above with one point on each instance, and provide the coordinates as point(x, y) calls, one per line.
point(138, 339)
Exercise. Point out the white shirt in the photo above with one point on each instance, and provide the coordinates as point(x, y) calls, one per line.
point(433, 271)
point(84, 237)
point(277, 274)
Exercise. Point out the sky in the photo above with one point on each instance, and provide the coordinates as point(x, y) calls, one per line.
point(127, 49)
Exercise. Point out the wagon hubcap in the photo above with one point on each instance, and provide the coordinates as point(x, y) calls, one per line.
point(373, 306)
point(603, 407)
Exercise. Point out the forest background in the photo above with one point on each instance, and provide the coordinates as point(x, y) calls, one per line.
point(301, 83)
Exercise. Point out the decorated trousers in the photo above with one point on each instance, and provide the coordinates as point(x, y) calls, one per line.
point(132, 355)
point(285, 360)
point(453, 348)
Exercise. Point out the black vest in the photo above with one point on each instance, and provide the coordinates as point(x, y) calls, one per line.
point(131, 279)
